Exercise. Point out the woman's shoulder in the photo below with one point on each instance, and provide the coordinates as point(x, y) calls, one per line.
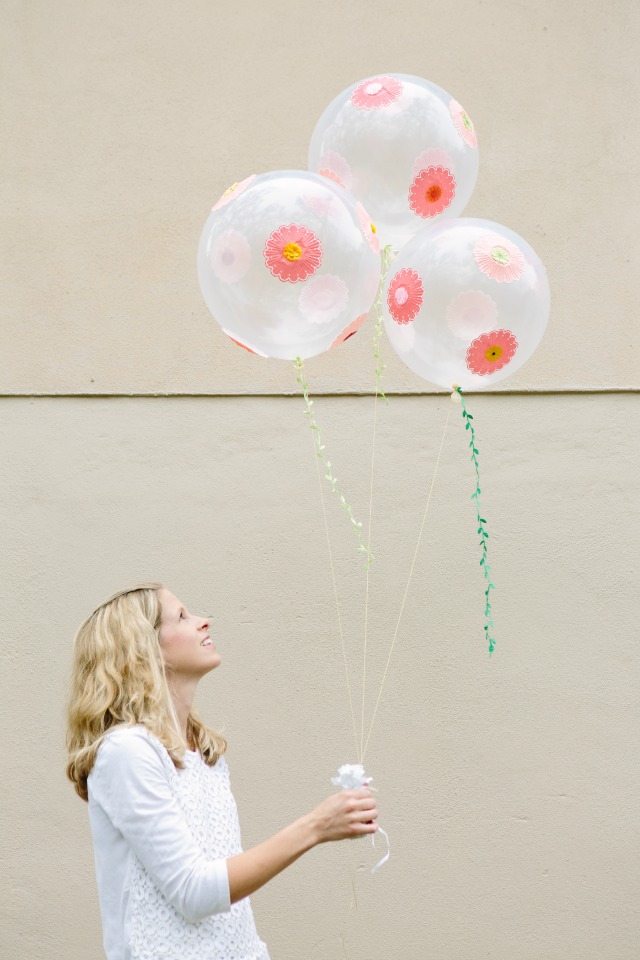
point(130, 745)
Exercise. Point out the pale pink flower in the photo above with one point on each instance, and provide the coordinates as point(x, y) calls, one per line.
point(323, 298)
point(235, 190)
point(491, 352)
point(471, 313)
point(499, 258)
point(376, 92)
point(350, 330)
point(432, 191)
point(230, 256)
point(292, 253)
point(368, 228)
point(335, 167)
point(463, 124)
point(431, 158)
point(405, 295)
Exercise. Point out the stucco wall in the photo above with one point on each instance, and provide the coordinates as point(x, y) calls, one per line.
point(508, 786)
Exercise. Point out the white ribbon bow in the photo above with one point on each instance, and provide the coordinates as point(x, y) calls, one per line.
point(351, 776)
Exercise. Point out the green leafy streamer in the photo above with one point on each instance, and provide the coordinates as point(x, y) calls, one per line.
point(387, 257)
point(328, 472)
point(484, 536)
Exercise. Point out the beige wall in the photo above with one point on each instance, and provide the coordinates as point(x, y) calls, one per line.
point(508, 786)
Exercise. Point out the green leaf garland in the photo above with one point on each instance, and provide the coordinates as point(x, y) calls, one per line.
point(484, 536)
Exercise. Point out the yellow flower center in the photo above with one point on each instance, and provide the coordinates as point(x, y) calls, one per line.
point(493, 353)
point(231, 189)
point(434, 192)
point(500, 255)
point(292, 251)
point(373, 228)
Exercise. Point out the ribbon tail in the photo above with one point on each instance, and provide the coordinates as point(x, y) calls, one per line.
point(381, 863)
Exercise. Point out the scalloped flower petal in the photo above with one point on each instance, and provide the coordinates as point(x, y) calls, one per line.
point(323, 298)
point(432, 191)
point(499, 258)
point(234, 191)
point(292, 253)
point(405, 295)
point(376, 93)
point(491, 352)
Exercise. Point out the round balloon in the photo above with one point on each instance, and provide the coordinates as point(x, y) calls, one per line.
point(466, 303)
point(404, 147)
point(288, 264)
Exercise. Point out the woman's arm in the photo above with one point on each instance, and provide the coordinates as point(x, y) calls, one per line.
point(345, 815)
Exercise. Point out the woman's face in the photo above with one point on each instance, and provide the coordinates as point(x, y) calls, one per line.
point(186, 645)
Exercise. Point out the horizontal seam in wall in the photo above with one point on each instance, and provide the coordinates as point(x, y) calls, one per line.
point(570, 391)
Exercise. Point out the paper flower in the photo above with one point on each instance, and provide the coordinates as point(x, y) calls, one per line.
point(292, 253)
point(335, 167)
point(405, 295)
point(463, 124)
point(431, 158)
point(491, 352)
point(368, 228)
point(432, 191)
point(471, 313)
point(375, 93)
point(322, 299)
point(235, 190)
point(350, 330)
point(244, 346)
point(230, 256)
point(351, 776)
point(500, 259)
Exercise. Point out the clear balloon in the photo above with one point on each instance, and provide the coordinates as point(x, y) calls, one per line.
point(288, 264)
point(404, 147)
point(466, 303)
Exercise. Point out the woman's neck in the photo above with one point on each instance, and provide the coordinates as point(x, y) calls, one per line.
point(183, 691)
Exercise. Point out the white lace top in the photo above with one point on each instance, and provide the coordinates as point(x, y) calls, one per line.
point(161, 839)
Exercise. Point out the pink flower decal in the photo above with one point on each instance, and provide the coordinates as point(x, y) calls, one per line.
point(230, 256)
point(375, 93)
point(235, 190)
point(471, 313)
point(244, 346)
point(463, 124)
point(405, 295)
point(368, 228)
point(500, 259)
point(323, 298)
point(292, 253)
point(432, 191)
point(491, 352)
point(431, 158)
point(330, 175)
point(350, 330)
point(335, 167)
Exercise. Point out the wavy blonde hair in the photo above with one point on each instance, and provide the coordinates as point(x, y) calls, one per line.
point(118, 678)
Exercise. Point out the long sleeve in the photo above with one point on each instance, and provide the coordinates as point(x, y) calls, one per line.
point(130, 782)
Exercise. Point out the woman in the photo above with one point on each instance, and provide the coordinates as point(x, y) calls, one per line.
point(173, 880)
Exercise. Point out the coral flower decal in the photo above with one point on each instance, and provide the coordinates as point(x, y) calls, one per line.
point(368, 228)
point(405, 295)
point(350, 330)
point(292, 253)
point(230, 256)
point(432, 191)
point(500, 259)
point(463, 124)
point(235, 190)
point(375, 93)
point(323, 298)
point(491, 352)
point(244, 346)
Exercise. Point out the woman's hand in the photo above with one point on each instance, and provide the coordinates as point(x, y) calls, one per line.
point(345, 815)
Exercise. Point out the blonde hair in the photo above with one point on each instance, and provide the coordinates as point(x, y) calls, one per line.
point(118, 678)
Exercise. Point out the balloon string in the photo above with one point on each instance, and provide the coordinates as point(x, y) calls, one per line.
point(319, 448)
point(319, 456)
point(424, 517)
point(387, 256)
point(484, 536)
